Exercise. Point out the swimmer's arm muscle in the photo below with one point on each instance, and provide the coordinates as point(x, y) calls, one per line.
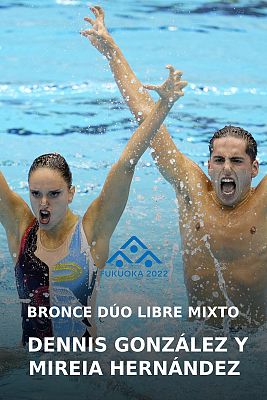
point(14, 212)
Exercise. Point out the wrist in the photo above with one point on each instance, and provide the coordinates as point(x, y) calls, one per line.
point(166, 102)
point(114, 52)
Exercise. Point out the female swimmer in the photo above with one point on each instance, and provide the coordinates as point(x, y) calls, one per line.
point(56, 253)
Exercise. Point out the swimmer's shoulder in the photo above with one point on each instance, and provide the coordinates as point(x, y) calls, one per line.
point(17, 220)
point(259, 197)
point(194, 184)
point(263, 181)
point(261, 188)
point(16, 213)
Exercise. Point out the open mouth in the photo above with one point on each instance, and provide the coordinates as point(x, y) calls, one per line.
point(228, 186)
point(44, 216)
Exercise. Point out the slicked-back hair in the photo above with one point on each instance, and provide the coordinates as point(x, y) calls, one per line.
point(236, 131)
point(55, 162)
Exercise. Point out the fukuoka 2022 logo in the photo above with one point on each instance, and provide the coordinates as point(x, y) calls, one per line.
point(134, 259)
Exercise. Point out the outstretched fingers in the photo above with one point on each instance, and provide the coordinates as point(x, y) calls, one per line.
point(151, 87)
point(174, 74)
point(95, 11)
point(180, 84)
point(178, 73)
point(170, 68)
point(89, 32)
point(172, 88)
point(178, 88)
point(90, 20)
point(99, 17)
point(98, 34)
point(100, 11)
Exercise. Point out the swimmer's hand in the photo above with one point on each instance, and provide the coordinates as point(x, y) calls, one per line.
point(171, 89)
point(98, 35)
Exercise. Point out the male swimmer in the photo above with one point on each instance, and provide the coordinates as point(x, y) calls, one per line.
point(222, 218)
point(56, 253)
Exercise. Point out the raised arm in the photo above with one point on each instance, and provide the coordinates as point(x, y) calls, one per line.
point(15, 214)
point(105, 211)
point(141, 103)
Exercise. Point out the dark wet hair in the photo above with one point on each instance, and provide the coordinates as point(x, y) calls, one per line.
point(53, 161)
point(236, 131)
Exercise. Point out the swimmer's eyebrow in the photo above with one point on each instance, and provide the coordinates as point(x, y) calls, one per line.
point(33, 189)
point(218, 157)
point(237, 158)
point(234, 158)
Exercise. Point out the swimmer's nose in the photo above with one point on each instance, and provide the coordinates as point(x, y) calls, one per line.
point(227, 167)
point(43, 202)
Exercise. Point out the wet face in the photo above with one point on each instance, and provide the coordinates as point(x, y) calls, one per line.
point(50, 197)
point(231, 170)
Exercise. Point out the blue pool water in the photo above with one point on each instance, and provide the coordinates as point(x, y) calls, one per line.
point(57, 94)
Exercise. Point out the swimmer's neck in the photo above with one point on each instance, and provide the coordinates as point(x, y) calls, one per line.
point(61, 230)
point(225, 207)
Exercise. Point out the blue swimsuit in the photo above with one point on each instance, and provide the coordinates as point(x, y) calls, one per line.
point(71, 282)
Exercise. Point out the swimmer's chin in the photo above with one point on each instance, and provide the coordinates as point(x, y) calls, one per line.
point(45, 226)
point(228, 200)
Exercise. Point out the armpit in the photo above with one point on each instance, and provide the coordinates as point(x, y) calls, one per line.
point(183, 196)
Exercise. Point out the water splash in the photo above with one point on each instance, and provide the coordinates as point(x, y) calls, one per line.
point(222, 286)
